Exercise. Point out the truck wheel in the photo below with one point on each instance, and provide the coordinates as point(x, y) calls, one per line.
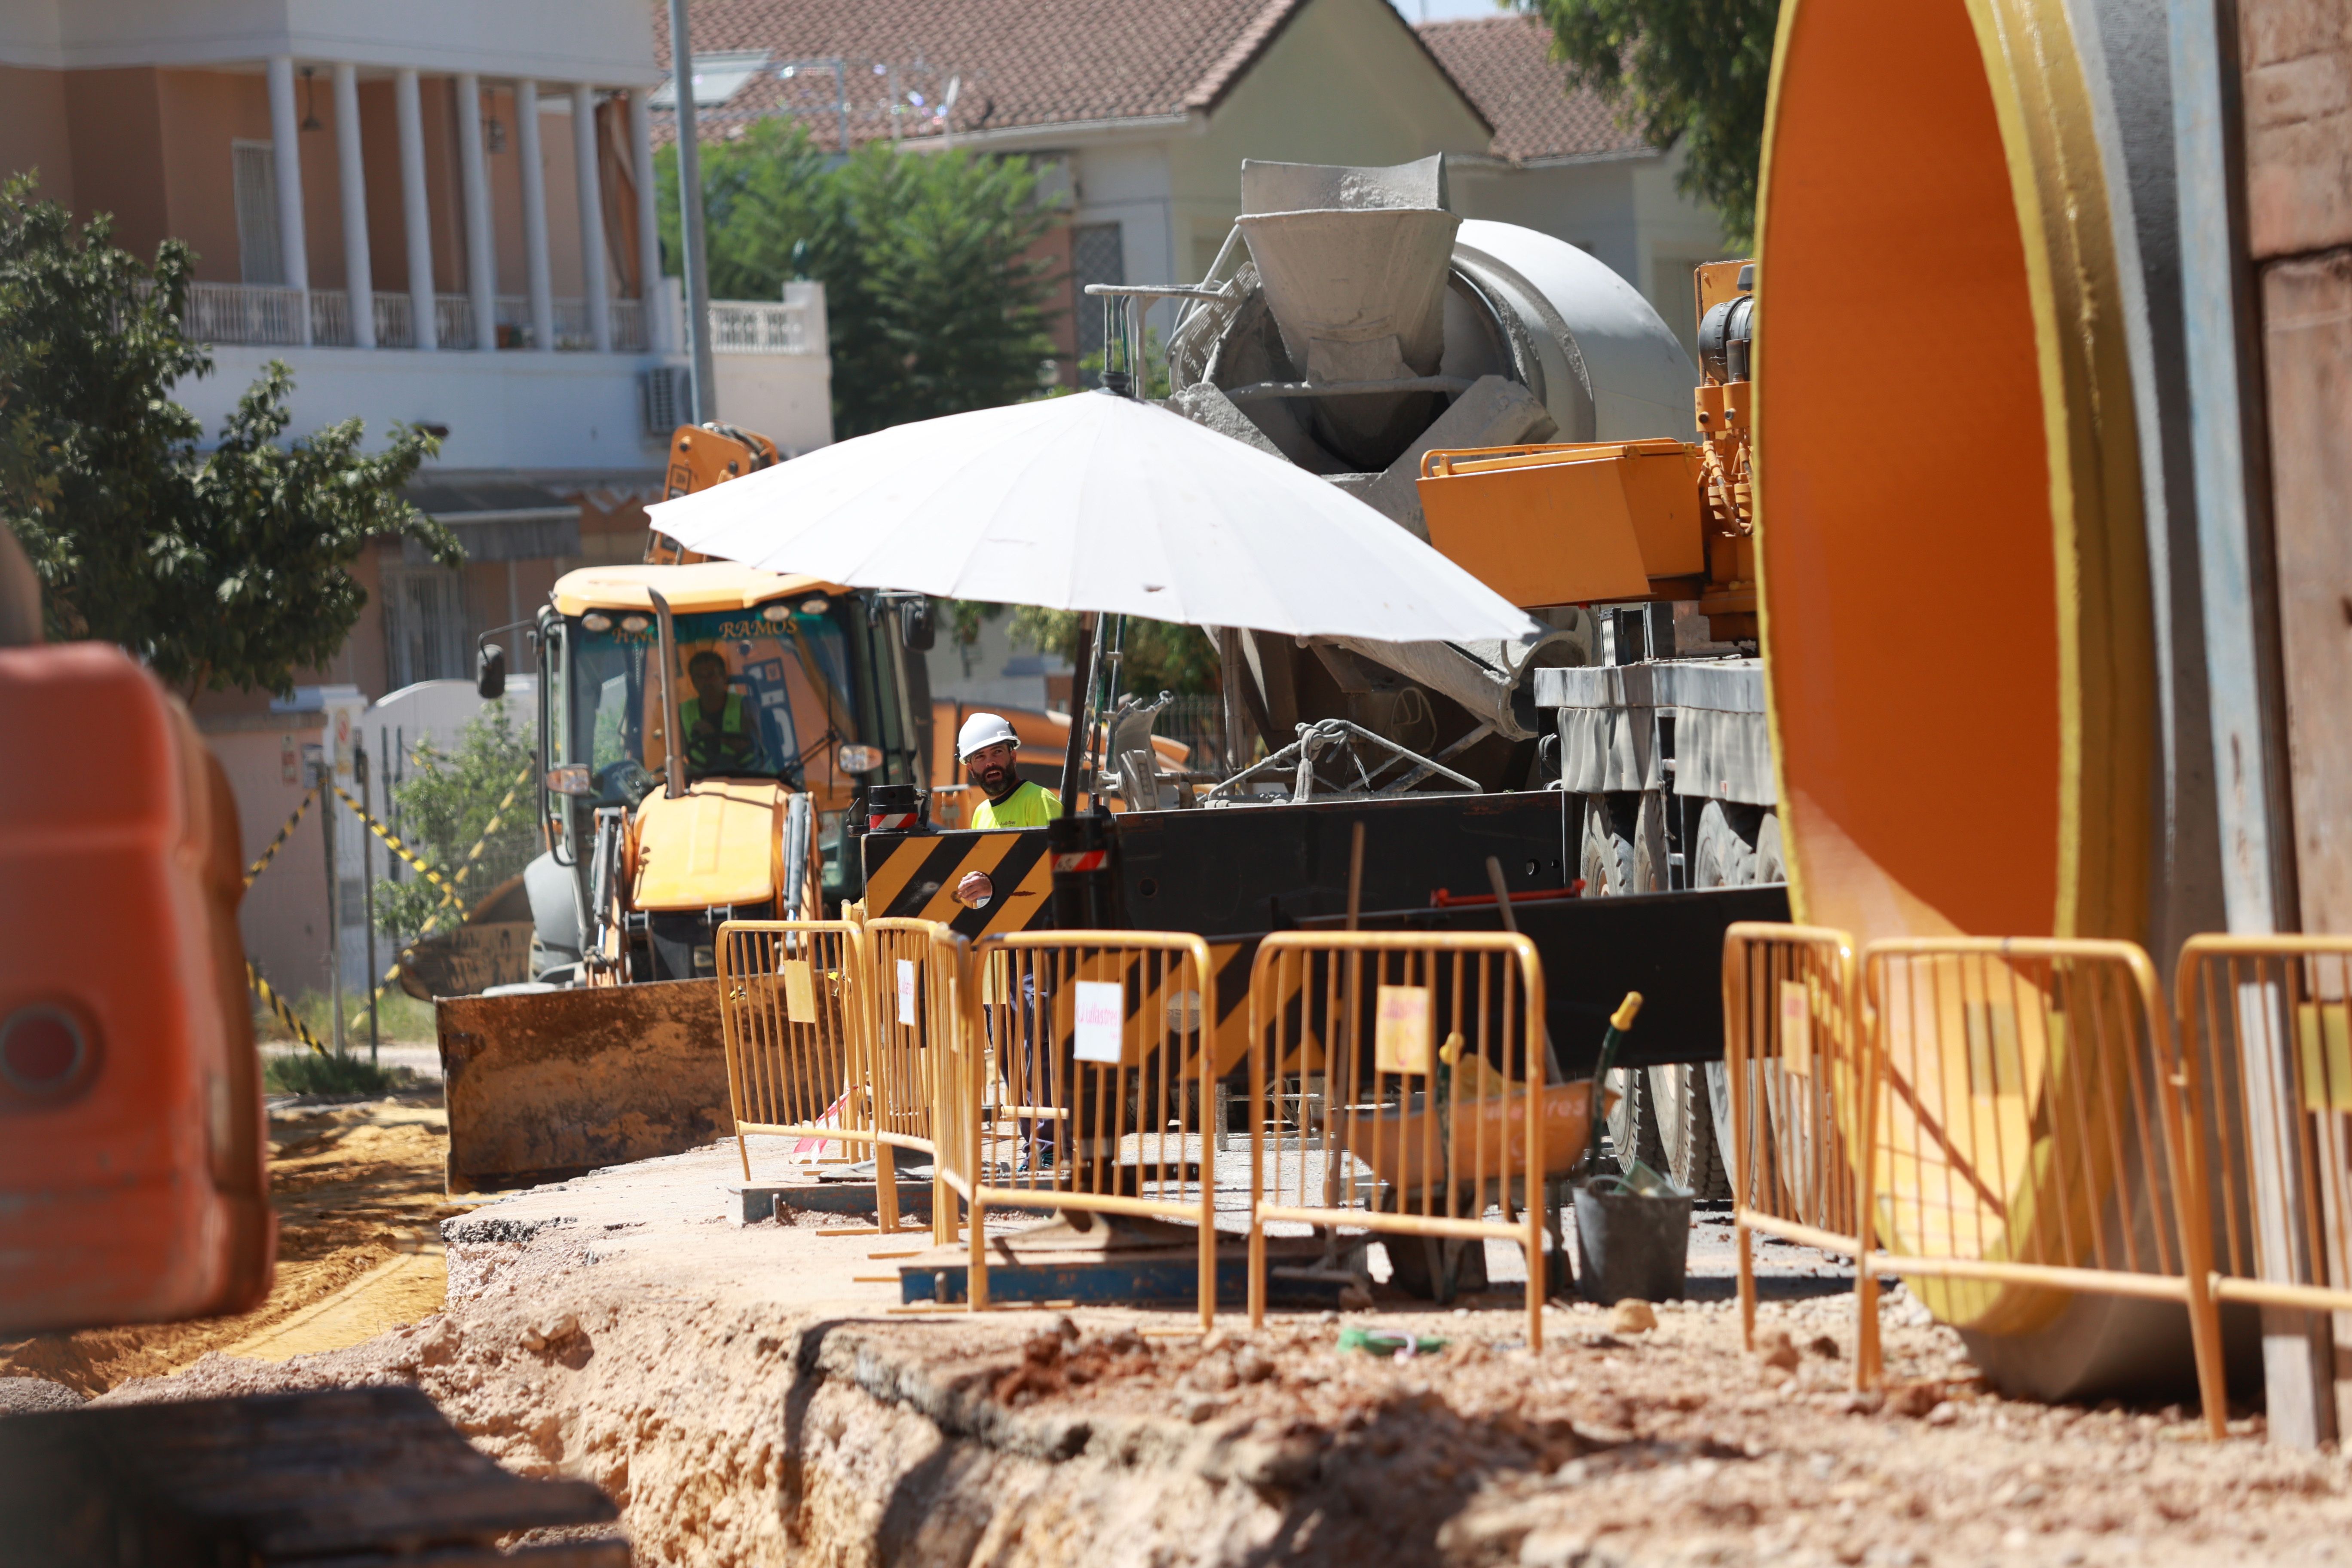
point(1633, 1120)
point(1624, 849)
point(1685, 1103)
point(1771, 865)
point(1606, 858)
point(1723, 850)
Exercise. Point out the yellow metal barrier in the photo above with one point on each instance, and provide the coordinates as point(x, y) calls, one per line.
point(1083, 1050)
point(1792, 1046)
point(793, 1008)
point(1429, 1050)
point(2266, 1038)
point(915, 1022)
point(2024, 1137)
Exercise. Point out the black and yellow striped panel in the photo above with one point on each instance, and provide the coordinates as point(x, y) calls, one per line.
point(915, 878)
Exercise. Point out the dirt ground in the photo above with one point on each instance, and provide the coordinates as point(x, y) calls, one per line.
point(746, 1392)
point(358, 1189)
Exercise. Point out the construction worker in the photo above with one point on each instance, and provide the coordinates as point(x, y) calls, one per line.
point(721, 734)
point(988, 747)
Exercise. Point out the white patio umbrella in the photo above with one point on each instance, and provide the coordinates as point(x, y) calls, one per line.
point(1093, 502)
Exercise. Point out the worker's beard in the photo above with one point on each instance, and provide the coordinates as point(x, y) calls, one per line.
point(999, 782)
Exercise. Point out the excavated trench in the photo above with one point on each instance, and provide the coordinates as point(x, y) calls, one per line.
point(745, 1394)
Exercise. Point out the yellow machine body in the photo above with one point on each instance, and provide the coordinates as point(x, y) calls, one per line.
point(542, 1086)
point(719, 844)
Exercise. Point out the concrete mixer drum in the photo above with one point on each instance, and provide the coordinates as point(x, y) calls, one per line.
point(1358, 324)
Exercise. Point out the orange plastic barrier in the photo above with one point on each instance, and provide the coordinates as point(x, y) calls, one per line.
point(131, 1119)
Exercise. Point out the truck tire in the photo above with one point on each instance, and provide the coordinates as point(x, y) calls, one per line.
point(1771, 865)
point(1695, 1105)
point(1723, 851)
point(1616, 864)
point(1607, 858)
point(1683, 1096)
point(1633, 1120)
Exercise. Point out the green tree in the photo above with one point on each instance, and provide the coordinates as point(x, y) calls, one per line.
point(1157, 656)
point(450, 802)
point(935, 299)
point(1687, 72)
point(223, 568)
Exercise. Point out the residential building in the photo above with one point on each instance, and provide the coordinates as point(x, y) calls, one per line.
point(1138, 117)
point(435, 213)
point(1562, 163)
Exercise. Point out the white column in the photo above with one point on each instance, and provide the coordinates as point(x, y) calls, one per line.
point(481, 266)
point(351, 170)
point(595, 272)
point(415, 210)
point(649, 289)
point(286, 144)
point(534, 216)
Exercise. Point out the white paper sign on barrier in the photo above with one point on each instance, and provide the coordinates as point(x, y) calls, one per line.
point(906, 991)
point(1101, 1009)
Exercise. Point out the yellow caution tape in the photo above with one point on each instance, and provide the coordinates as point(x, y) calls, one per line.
point(392, 841)
point(497, 816)
point(276, 1004)
point(259, 867)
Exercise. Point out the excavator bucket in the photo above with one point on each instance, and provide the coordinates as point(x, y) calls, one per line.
point(543, 1085)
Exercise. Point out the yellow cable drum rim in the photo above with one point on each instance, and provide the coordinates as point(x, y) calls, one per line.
point(2105, 648)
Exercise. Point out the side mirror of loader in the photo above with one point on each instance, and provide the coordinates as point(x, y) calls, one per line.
point(490, 671)
point(917, 628)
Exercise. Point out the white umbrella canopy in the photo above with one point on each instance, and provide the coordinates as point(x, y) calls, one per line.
point(1093, 502)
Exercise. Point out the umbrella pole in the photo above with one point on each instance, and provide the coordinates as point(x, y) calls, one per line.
point(1081, 699)
point(1102, 692)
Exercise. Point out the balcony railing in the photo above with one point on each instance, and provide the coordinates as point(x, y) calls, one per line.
point(758, 327)
point(264, 314)
point(244, 313)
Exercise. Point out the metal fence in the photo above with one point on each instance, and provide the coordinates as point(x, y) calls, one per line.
point(915, 1026)
point(759, 327)
point(1429, 1053)
point(1792, 1056)
point(1079, 1082)
point(2024, 1136)
point(2266, 1048)
point(793, 1004)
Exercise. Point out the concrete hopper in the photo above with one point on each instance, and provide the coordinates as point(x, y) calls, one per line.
point(1358, 292)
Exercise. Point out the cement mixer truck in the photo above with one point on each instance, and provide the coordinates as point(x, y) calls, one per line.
point(1510, 400)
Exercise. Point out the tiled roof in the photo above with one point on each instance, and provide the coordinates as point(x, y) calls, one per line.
point(1504, 64)
point(1016, 63)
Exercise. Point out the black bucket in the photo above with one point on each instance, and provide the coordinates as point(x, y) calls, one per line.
point(1629, 1243)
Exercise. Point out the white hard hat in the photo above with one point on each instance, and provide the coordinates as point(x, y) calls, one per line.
point(982, 731)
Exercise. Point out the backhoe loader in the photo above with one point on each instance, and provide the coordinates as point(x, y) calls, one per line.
point(707, 733)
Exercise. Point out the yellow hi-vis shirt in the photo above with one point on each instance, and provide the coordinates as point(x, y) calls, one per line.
point(1028, 806)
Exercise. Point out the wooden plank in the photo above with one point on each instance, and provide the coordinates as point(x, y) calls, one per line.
point(2306, 316)
point(2307, 342)
point(2296, 57)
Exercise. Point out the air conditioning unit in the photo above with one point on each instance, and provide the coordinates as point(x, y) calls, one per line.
point(667, 393)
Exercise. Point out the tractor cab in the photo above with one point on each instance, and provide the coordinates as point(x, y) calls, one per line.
point(704, 729)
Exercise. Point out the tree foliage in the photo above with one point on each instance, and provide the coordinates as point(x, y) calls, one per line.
point(935, 300)
point(223, 568)
point(449, 803)
point(1687, 72)
point(1157, 655)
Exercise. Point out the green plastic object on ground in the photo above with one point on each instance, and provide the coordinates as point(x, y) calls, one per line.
point(1372, 1342)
